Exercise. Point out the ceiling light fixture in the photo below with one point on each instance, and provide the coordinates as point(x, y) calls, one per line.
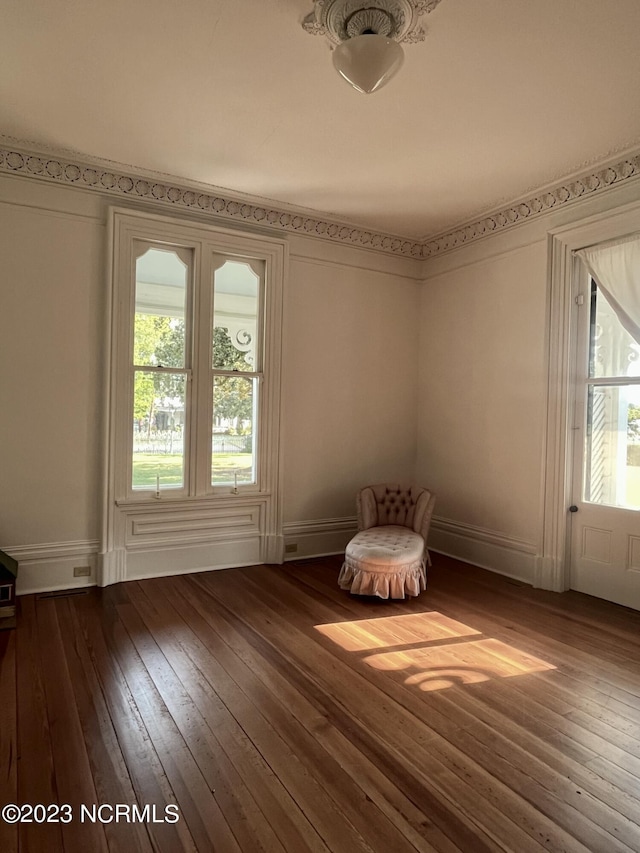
point(366, 37)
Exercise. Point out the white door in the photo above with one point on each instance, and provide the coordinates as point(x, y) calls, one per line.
point(605, 515)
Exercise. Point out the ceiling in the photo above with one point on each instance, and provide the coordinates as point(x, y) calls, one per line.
point(503, 98)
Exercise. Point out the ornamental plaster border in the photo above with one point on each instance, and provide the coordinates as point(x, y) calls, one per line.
point(62, 170)
point(124, 184)
point(553, 198)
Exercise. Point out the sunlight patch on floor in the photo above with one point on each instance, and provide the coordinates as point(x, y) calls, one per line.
point(388, 631)
point(441, 652)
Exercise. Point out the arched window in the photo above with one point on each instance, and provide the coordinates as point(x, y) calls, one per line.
point(193, 441)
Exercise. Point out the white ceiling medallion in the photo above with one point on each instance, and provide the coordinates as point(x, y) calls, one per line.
point(366, 36)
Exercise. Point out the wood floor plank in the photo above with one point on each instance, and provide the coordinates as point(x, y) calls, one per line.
point(616, 821)
point(108, 767)
point(577, 807)
point(588, 670)
point(202, 813)
point(95, 617)
point(561, 635)
point(335, 821)
point(244, 818)
point(8, 737)
point(414, 748)
point(539, 749)
point(580, 824)
point(74, 779)
point(279, 713)
point(36, 776)
point(311, 713)
point(282, 705)
point(208, 687)
point(562, 708)
point(624, 805)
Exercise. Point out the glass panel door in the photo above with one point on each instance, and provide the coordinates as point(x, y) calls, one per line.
point(612, 460)
point(605, 522)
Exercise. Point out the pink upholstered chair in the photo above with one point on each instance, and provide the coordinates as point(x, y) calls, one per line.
point(388, 556)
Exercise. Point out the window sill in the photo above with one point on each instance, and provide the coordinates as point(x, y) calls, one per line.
point(215, 499)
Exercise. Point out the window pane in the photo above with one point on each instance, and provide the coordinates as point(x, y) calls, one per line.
point(158, 430)
point(613, 446)
point(233, 445)
point(161, 294)
point(236, 303)
point(613, 352)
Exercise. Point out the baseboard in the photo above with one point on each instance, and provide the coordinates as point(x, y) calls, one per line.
point(180, 559)
point(318, 538)
point(48, 567)
point(481, 547)
point(487, 549)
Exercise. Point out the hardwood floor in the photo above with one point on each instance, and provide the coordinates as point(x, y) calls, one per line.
point(270, 711)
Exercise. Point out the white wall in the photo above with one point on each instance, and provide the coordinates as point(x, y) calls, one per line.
point(482, 401)
point(350, 404)
point(483, 390)
point(350, 370)
point(442, 382)
point(51, 309)
point(51, 344)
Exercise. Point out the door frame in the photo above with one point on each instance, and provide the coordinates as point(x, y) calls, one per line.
point(553, 566)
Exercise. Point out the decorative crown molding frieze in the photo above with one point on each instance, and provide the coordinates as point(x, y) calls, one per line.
point(123, 184)
point(62, 170)
point(590, 183)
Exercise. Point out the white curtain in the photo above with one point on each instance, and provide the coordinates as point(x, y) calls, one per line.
point(616, 270)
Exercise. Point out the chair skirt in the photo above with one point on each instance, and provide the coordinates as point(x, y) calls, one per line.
point(387, 561)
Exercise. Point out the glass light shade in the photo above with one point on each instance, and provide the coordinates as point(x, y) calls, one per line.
point(368, 61)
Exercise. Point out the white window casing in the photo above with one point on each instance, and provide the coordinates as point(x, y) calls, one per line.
point(157, 529)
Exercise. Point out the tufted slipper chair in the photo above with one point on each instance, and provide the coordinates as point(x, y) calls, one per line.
point(388, 556)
